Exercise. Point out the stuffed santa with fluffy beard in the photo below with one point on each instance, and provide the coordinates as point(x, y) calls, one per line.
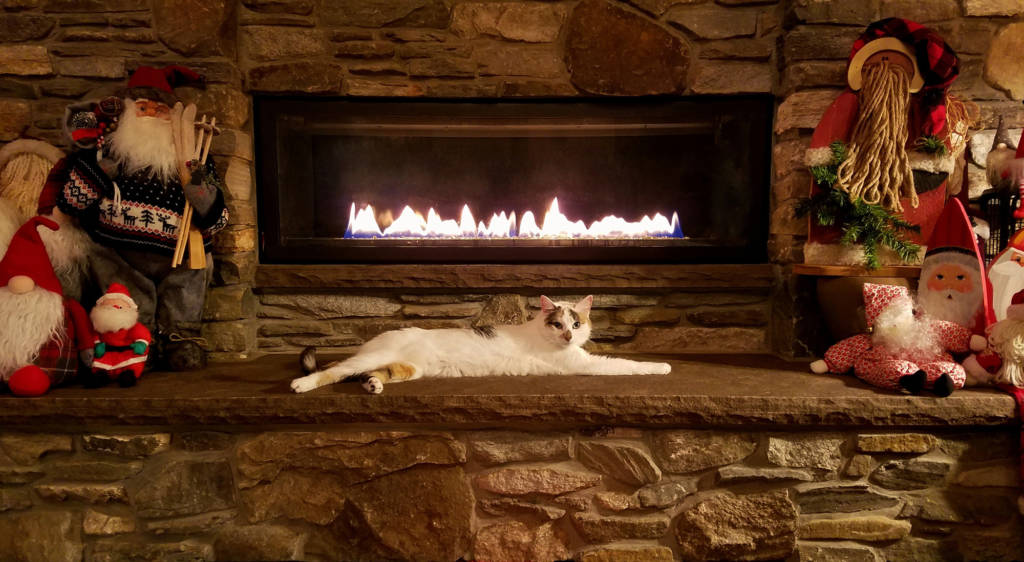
point(42, 334)
point(904, 350)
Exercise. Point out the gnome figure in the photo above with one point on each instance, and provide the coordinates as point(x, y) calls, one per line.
point(43, 336)
point(903, 350)
point(126, 192)
point(122, 342)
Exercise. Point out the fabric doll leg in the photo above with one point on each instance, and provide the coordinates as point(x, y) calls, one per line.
point(944, 377)
point(181, 294)
point(885, 373)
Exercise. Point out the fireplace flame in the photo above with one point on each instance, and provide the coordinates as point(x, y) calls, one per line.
point(362, 223)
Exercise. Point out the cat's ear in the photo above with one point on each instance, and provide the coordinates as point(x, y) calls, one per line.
point(546, 305)
point(583, 307)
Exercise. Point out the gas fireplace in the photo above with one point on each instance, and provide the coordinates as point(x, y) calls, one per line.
point(615, 181)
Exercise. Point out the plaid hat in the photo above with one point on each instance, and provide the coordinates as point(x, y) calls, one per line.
point(935, 60)
point(158, 83)
point(27, 256)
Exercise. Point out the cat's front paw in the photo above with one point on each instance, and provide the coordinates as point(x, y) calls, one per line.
point(373, 385)
point(660, 368)
point(304, 384)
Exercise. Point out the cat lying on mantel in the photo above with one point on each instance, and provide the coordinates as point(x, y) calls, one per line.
point(549, 344)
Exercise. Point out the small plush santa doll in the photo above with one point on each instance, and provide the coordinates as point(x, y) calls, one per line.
point(122, 342)
point(902, 350)
point(42, 334)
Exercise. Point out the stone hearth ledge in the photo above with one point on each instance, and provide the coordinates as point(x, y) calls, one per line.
point(701, 391)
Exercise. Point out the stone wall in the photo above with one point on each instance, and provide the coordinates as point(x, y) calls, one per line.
point(598, 495)
point(56, 51)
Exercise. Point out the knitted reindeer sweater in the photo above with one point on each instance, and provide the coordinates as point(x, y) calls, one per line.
point(147, 215)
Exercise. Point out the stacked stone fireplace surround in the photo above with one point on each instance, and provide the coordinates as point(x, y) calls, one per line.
point(915, 490)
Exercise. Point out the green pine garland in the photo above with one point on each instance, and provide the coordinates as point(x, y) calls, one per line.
point(860, 222)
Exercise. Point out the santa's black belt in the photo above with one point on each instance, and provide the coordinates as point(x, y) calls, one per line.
point(120, 348)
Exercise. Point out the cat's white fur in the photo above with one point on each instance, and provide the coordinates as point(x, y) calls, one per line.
point(549, 344)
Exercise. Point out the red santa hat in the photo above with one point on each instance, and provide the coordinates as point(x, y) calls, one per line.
point(878, 297)
point(27, 256)
point(118, 292)
point(1020, 146)
point(158, 83)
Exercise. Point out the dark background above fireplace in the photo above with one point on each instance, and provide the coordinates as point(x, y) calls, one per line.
point(707, 158)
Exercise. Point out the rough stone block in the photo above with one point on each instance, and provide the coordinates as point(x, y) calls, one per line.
point(16, 27)
point(803, 110)
point(381, 13)
point(269, 43)
point(816, 553)
point(754, 527)
point(860, 466)
point(543, 481)
point(710, 21)
point(233, 302)
point(693, 450)
point(997, 475)
point(813, 74)
point(806, 451)
point(456, 310)
point(836, 11)
point(728, 316)
point(50, 536)
point(914, 474)
point(529, 22)
point(628, 554)
point(365, 50)
point(297, 7)
point(27, 448)
point(296, 77)
point(189, 525)
point(492, 448)
point(514, 540)
point(235, 239)
point(92, 67)
point(810, 42)
point(664, 494)
point(993, 7)
point(596, 528)
point(127, 446)
point(509, 507)
point(87, 493)
point(12, 499)
point(233, 269)
point(12, 476)
point(625, 463)
point(610, 50)
point(687, 339)
point(868, 529)
point(183, 487)
point(536, 61)
point(648, 315)
point(15, 118)
point(196, 28)
point(921, 12)
point(325, 306)
point(741, 48)
point(1003, 68)
point(738, 473)
point(238, 335)
point(396, 88)
point(843, 499)
point(111, 550)
point(896, 443)
point(25, 60)
point(258, 542)
point(94, 471)
point(97, 523)
point(233, 143)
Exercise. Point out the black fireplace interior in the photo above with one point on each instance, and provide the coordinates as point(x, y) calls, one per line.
point(705, 159)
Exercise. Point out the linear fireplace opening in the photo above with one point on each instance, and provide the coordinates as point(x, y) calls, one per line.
point(651, 180)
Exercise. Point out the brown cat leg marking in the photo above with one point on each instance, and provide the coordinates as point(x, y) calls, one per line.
point(394, 372)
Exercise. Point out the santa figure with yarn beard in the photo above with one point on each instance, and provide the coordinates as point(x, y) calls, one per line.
point(43, 335)
point(127, 194)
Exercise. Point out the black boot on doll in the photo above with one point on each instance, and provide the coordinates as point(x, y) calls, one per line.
point(914, 383)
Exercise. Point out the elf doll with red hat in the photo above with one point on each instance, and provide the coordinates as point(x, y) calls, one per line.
point(43, 335)
point(122, 342)
point(126, 192)
point(883, 150)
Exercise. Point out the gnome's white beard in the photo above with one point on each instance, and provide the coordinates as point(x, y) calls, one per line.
point(106, 318)
point(899, 332)
point(68, 249)
point(142, 143)
point(27, 322)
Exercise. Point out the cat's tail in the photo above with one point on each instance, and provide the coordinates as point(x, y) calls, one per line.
point(308, 361)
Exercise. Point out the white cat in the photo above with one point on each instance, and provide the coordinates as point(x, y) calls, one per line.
point(549, 344)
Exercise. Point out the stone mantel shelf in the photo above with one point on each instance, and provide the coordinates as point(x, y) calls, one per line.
point(515, 277)
point(702, 391)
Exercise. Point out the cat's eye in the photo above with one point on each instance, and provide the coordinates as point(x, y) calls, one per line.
point(575, 325)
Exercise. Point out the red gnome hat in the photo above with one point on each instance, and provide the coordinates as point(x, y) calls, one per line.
point(1020, 146)
point(158, 83)
point(118, 292)
point(953, 240)
point(878, 297)
point(27, 256)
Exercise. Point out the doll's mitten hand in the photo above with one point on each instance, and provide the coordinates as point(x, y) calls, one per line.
point(86, 356)
point(978, 343)
point(100, 349)
point(109, 167)
point(139, 347)
point(820, 367)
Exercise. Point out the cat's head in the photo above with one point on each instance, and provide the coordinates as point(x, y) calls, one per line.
point(566, 323)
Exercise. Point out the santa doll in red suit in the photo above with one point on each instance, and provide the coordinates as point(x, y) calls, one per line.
point(43, 336)
point(903, 350)
point(122, 342)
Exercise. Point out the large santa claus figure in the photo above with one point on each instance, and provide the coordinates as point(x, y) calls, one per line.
point(127, 194)
point(42, 335)
point(903, 350)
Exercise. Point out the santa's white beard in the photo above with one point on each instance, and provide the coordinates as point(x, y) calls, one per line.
point(1007, 337)
point(68, 249)
point(27, 322)
point(899, 332)
point(1007, 279)
point(106, 318)
point(950, 305)
point(142, 143)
